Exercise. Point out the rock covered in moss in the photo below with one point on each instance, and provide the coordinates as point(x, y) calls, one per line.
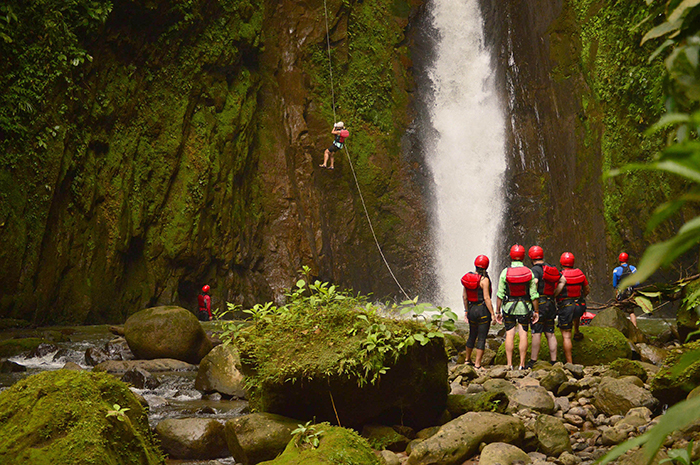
point(670, 387)
point(617, 397)
point(629, 368)
point(220, 371)
point(489, 401)
point(614, 317)
point(385, 437)
point(63, 417)
point(552, 436)
point(12, 347)
point(336, 445)
point(166, 332)
point(687, 316)
point(192, 438)
point(499, 453)
point(258, 436)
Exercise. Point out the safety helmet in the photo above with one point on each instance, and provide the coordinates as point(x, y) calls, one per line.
point(623, 257)
point(517, 252)
point(567, 259)
point(339, 124)
point(482, 261)
point(535, 253)
point(205, 288)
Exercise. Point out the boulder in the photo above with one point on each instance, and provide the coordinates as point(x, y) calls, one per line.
point(454, 344)
point(499, 385)
point(552, 436)
point(534, 398)
point(140, 379)
point(69, 417)
point(599, 346)
point(687, 318)
point(617, 397)
point(336, 445)
point(95, 356)
point(627, 367)
point(384, 437)
point(220, 372)
point(554, 379)
point(389, 457)
point(118, 349)
point(459, 439)
point(258, 436)
point(192, 438)
point(152, 366)
point(652, 354)
point(8, 366)
point(166, 332)
point(490, 401)
point(670, 387)
point(501, 453)
point(613, 317)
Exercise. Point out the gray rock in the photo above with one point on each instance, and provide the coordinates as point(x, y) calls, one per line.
point(617, 397)
point(384, 438)
point(563, 404)
point(555, 378)
point(459, 439)
point(567, 458)
point(95, 356)
point(72, 366)
point(575, 370)
point(636, 417)
point(613, 436)
point(152, 366)
point(499, 385)
point(474, 389)
point(552, 436)
point(467, 372)
point(568, 387)
point(501, 453)
point(534, 398)
point(220, 371)
point(166, 332)
point(259, 436)
point(140, 379)
point(192, 438)
point(389, 457)
point(8, 366)
point(652, 354)
point(118, 349)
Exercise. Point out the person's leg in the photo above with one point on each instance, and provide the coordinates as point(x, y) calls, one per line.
point(552, 343)
point(536, 343)
point(510, 339)
point(566, 342)
point(332, 160)
point(522, 345)
point(471, 341)
point(481, 342)
point(477, 360)
point(633, 318)
point(325, 158)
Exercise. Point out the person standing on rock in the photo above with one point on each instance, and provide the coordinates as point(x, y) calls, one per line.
point(619, 274)
point(517, 303)
point(340, 134)
point(550, 282)
point(204, 300)
point(478, 309)
point(571, 303)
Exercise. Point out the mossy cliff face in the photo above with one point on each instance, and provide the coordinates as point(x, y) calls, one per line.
point(187, 153)
point(580, 95)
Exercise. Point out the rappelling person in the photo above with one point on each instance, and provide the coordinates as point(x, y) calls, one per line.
point(620, 273)
point(571, 303)
point(204, 300)
point(518, 297)
point(478, 309)
point(340, 134)
point(550, 282)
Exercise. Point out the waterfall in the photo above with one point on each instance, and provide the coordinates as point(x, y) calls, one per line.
point(465, 148)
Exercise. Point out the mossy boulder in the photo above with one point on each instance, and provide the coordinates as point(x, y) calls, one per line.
point(12, 347)
point(166, 332)
point(671, 385)
point(220, 371)
point(489, 401)
point(385, 438)
point(337, 363)
point(614, 317)
point(336, 445)
point(258, 436)
point(687, 316)
point(626, 367)
point(599, 346)
point(63, 417)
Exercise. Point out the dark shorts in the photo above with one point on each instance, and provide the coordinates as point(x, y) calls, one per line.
point(548, 313)
point(479, 319)
point(478, 315)
point(509, 321)
point(333, 148)
point(203, 316)
point(568, 311)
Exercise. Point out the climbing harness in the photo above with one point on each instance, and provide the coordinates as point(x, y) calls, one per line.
point(347, 154)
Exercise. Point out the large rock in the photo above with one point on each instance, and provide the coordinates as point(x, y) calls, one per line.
point(534, 398)
point(613, 317)
point(670, 387)
point(68, 417)
point(459, 439)
point(220, 372)
point(490, 401)
point(617, 397)
point(192, 438)
point(152, 366)
point(652, 354)
point(336, 446)
point(501, 453)
point(687, 317)
point(555, 378)
point(552, 436)
point(628, 367)
point(166, 332)
point(258, 436)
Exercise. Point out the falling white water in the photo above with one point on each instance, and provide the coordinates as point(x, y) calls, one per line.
point(467, 157)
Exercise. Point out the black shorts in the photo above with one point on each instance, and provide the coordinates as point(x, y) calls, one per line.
point(509, 321)
point(568, 311)
point(548, 313)
point(478, 314)
point(333, 148)
point(203, 316)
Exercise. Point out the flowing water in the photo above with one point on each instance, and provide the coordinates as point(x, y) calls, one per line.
point(466, 146)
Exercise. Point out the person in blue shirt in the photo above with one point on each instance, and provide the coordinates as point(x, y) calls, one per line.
point(619, 273)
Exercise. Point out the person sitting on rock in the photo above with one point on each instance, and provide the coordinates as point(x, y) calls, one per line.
point(340, 134)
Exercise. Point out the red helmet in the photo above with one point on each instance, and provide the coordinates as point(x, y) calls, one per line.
point(535, 253)
point(623, 257)
point(517, 252)
point(205, 288)
point(482, 261)
point(567, 259)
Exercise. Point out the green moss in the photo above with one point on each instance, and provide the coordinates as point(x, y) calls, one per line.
point(12, 347)
point(628, 367)
point(338, 446)
point(61, 417)
point(671, 386)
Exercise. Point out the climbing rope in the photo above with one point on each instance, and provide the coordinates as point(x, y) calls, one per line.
point(352, 168)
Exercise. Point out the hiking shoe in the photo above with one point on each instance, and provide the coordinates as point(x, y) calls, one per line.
point(530, 364)
point(578, 337)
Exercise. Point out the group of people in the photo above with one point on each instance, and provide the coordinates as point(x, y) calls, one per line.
point(525, 297)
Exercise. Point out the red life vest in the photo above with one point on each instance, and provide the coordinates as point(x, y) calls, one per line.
point(551, 276)
point(204, 303)
point(344, 134)
point(518, 281)
point(471, 282)
point(575, 279)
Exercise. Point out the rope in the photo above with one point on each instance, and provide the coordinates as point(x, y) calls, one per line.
point(352, 168)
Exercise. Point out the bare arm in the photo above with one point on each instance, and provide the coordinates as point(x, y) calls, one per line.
point(560, 285)
point(486, 288)
point(586, 289)
point(464, 300)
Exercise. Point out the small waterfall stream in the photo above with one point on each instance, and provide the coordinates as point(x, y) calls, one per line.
point(466, 146)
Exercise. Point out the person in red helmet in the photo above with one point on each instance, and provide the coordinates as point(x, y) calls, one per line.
point(340, 134)
point(478, 309)
point(620, 273)
point(571, 303)
point(204, 300)
point(517, 303)
point(550, 282)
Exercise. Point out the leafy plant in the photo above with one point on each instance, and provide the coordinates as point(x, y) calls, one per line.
point(307, 435)
point(440, 318)
point(681, 456)
point(119, 412)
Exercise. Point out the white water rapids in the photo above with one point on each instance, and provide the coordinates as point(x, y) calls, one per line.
point(467, 155)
